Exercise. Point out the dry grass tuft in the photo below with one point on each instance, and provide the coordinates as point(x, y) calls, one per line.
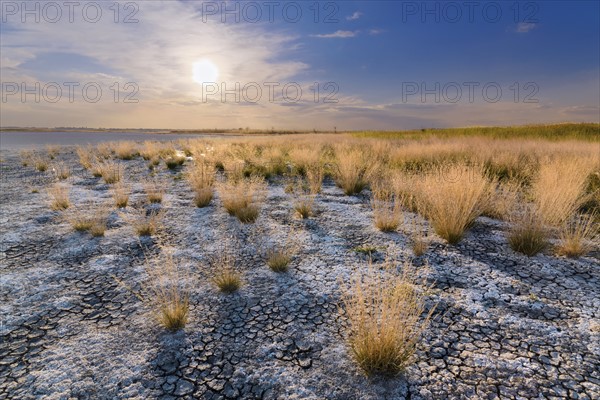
point(387, 211)
point(577, 236)
point(125, 150)
point(59, 195)
point(40, 163)
point(202, 179)
point(226, 276)
point(387, 317)
point(109, 171)
point(52, 151)
point(527, 233)
point(120, 194)
point(559, 188)
point(145, 222)
point(354, 168)
point(155, 190)
point(61, 171)
point(452, 199)
point(242, 197)
point(167, 290)
point(90, 217)
point(87, 157)
point(279, 260)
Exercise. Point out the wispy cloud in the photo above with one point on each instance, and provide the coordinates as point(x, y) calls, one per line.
point(355, 16)
point(524, 27)
point(374, 32)
point(337, 34)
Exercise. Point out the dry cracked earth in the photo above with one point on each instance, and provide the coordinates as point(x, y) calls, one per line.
point(506, 326)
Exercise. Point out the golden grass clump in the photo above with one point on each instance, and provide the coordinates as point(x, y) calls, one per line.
point(354, 169)
point(559, 188)
point(144, 222)
point(502, 199)
point(577, 236)
point(174, 161)
point(59, 197)
point(91, 217)
point(226, 277)
point(120, 194)
point(527, 233)
point(168, 290)
point(87, 157)
point(387, 211)
point(155, 191)
point(52, 151)
point(387, 316)
point(150, 150)
point(61, 171)
point(125, 150)
point(279, 259)
point(202, 179)
point(242, 197)
point(452, 198)
point(109, 171)
point(26, 157)
point(40, 163)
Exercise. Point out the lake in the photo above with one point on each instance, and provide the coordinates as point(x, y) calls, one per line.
point(31, 140)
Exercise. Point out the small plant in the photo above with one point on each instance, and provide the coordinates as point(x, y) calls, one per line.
point(366, 250)
point(154, 191)
point(577, 236)
point(314, 176)
point(109, 171)
point(61, 171)
point(120, 194)
point(202, 180)
point(241, 197)
point(387, 211)
point(227, 280)
point(144, 223)
point(90, 217)
point(278, 257)
point(59, 195)
point(40, 163)
point(528, 235)
point(175, 161)
point(26, 157)
point(304, 206)
point(278, 260)
point(419, 244)
point(52, 151)
point(86, 155)
point(385, 311)
point(167, 290)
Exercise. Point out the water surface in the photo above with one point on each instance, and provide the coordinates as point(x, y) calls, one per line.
point(32, 140)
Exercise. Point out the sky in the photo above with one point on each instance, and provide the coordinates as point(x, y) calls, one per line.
point(345, 65)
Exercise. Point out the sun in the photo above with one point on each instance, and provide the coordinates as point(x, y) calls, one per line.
point(205, 71)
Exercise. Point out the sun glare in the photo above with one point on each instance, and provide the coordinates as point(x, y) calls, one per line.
point(205, 71)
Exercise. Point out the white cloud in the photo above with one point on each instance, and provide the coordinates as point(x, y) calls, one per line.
point(355, 16)
point(524, 27)
point(374, 32)
point(337, 34)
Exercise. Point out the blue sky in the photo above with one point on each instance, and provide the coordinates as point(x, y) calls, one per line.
point(372, 51)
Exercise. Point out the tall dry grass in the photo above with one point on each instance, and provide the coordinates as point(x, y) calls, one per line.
point(387, 208)
point(242, 198)
point(354, 168)
point(59, 197)
point(577, 236)
point(559, 188)
point(202, 180)
point(387, 317)
point(452, 198)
